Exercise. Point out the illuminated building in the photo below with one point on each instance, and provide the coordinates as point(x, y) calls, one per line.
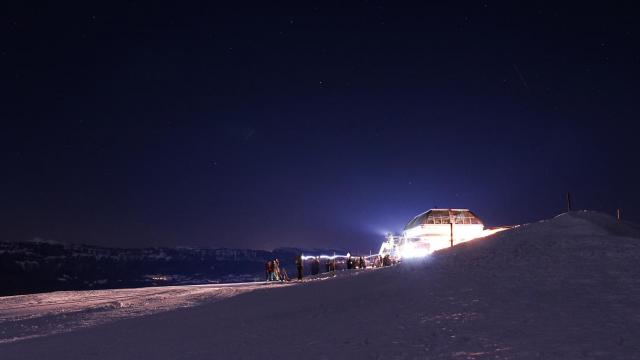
point(433, 230)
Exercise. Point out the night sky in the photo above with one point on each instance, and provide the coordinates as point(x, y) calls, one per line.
point(311, 124)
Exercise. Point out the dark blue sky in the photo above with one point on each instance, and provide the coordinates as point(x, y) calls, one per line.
point(309, 123)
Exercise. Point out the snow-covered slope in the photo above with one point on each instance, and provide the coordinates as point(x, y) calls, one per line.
point(30, 316)
point(566, 288)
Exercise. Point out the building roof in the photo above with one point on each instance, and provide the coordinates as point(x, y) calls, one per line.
point(444, 216)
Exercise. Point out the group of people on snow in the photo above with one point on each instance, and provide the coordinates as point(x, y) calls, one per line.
point(274, 272)
point(356, 263)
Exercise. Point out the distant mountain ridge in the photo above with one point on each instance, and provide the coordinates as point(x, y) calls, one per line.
point(41, 265)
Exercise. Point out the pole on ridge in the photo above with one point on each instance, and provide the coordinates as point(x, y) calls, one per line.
point(451, 231)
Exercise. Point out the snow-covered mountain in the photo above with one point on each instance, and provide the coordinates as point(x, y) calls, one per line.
point(37, 266)
point(564, 288)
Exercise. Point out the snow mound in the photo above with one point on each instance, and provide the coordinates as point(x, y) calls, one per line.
point(565, 244)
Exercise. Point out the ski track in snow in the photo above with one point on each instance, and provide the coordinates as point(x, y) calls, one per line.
point(36, 315)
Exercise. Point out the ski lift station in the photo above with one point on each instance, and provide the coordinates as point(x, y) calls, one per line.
point(433, 230)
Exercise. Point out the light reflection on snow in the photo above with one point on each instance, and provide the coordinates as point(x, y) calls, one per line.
point(35, 315)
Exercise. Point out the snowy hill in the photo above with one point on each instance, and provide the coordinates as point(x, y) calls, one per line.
point(565, 288)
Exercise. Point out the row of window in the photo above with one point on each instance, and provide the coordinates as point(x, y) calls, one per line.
point(444, 217)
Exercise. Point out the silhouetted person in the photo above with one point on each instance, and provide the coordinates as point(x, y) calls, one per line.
point(276, 269)
point(315, 266)
point(283, 274)
point(299, 266)
point(271, 271)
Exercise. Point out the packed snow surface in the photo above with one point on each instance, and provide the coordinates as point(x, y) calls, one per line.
point(36, 315)
point(566, 288)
